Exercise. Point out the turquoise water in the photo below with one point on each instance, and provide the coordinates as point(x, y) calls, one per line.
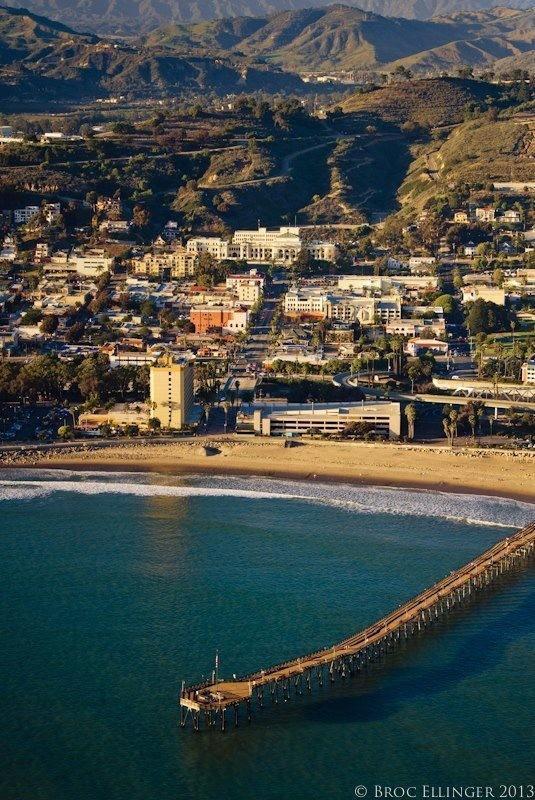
point(116, 588)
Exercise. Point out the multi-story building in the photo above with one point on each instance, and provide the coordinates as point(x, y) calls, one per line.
point(279, 246)
point(305, 303)
point(386, 284)
point(249, 288)
point(42, 251)
point(528, 371)
point(178, 263)
point(485, 214)
point(171, 391)
point(9, 250)
point(511, 216)
point(87, 263)
point(318, 304)
point(284, 420)
point(218, 318)
point(23, 215)
point(213, 245)
point(461, 217)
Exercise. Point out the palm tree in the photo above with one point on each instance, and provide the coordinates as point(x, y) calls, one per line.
point(226, 406)
point(410, 413)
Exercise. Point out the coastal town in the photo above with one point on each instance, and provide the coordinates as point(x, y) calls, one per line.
point(267, 399)
point(291, 331)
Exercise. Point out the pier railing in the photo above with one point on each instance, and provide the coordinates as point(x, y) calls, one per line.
point(212, 699)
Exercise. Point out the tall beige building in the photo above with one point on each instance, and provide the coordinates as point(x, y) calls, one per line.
point(171, 391)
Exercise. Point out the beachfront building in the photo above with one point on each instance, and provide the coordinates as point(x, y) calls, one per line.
point(171, 391)
point(291, 419)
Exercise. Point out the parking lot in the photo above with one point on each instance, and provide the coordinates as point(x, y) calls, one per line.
point(38, 422)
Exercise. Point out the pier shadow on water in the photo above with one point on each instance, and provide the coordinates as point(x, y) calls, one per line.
point(371, 700)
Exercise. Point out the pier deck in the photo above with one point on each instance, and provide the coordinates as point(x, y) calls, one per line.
point(353, 653)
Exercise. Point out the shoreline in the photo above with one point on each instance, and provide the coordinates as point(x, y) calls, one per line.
point(505, 474)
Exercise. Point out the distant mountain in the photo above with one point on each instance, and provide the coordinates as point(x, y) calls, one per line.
point(42, 59)
point(345, 38)
point(129, 17)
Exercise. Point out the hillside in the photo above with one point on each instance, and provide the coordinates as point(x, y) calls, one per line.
point(432, 102)
point(23, 35)
point(40, 59)
point(341, 37)
point(132, 16)
point(476, 152)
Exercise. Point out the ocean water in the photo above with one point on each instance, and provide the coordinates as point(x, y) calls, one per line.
point(116, 587)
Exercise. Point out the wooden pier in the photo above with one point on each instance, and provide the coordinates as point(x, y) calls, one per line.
point(219, 703)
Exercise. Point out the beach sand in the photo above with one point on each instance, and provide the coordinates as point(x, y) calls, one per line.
point(469, 470)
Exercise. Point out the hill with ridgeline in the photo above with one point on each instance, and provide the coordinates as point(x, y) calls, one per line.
point(40, 57)
point(130, 17)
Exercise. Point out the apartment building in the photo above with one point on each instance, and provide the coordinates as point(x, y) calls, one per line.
point(485, 214)
point(177, 263)
point(248, 288)
point(171, 391)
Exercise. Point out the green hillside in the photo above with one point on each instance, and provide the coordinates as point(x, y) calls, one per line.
point(477, 153)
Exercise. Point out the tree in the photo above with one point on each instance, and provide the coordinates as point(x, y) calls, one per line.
point(486, 317)
point(457, 278)
point(414, 372)
point(410, 413)
point(49, 324)
point(474, 412)
point(446, 302)
point(32, 317)
point(65, 432)
point(140, 216)
point(498, 277)
point(154, 424)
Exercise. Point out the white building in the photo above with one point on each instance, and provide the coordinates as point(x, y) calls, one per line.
point(491, 294)
point(421, 264)
point(248, 288)
point(528, 371)
point(88, 263)
point(264, 246)
point(9, 249)
point(23, 215)
point(284, 420)
point(415, 327)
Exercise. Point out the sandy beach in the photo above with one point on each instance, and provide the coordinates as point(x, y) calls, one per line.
point(469, 470)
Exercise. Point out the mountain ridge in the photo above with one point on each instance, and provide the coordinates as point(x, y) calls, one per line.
point(131, 17)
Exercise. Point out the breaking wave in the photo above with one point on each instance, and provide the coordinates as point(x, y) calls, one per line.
point(469, 508)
